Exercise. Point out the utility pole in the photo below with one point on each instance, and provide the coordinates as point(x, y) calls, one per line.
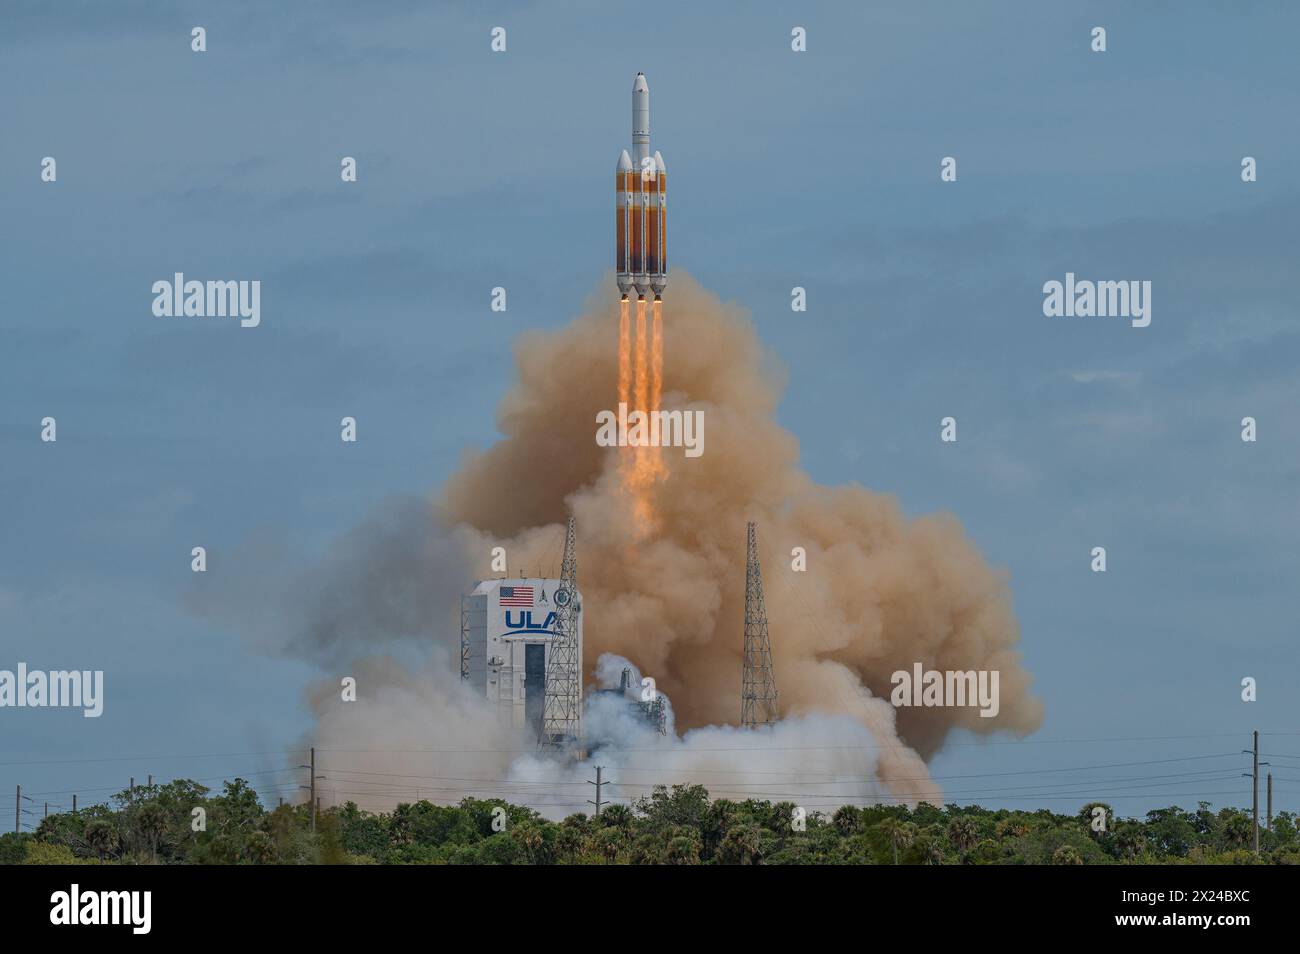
point(18, 809)
point(1255, 792)
point(1270, 801)
point(598, 783)
point(1253, 751)
point(47, 811)
point(312, 787)
point(74, 803)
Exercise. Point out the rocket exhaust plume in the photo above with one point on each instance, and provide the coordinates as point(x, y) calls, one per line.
point(657, 358)
point(657, 377)
point(645, 465)
point(642, 358)
point(624, 355)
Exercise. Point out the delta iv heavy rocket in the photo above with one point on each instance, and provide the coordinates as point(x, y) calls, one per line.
point(641, 229)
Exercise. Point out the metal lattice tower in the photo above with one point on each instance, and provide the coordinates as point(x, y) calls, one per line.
point(758, 685)
point(562, 708)
point(464, 639)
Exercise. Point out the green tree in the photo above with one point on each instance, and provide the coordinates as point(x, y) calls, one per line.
point(1066, 855)
point(43, 853)
point(847, 820)
point(150, 826)
point(963, 834)
point(684, 848)
point(102, 836)
point(616, 816)
point(897, 834)
point(536, 839)
point(609, 843)
point(740, 846)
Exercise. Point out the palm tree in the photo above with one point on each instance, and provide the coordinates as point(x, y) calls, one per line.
point(102, 837)
point(740, 846)
point(963, 834)
point(931, 849)
point(616, 816)
point(847, 820)
point(531, 840)
point(1130, 840)
point(610, 842)
point(1011, 828)
point(1237, 830)
point(151, 824)
point(898, 834)
point(684, 850)
point(568, 841)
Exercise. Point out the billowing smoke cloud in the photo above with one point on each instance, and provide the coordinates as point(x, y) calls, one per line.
point(817, 761)
point(394, 579)
point(880, 592)
point(426, 736)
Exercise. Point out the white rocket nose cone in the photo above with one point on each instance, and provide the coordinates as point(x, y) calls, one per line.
point(640, 86)
point(625, 162)
point(659, 161)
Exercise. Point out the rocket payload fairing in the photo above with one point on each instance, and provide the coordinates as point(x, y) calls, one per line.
point(641, 210)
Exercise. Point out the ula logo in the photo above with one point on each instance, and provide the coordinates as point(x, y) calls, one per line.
point(525, 623)
point(103, 907)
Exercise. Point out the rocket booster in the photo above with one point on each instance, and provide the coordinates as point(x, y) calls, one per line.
point(641, 211)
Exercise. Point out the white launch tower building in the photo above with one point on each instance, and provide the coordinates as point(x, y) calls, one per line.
point(507, 631)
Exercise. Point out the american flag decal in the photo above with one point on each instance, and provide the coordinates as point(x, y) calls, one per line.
point(517, 596)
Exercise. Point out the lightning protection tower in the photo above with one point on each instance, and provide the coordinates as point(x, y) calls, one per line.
point(562, 706)
point(758, 684)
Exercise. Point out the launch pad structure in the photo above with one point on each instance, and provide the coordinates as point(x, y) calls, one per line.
point(562, 707)
point(521, 649)
point(758, 702)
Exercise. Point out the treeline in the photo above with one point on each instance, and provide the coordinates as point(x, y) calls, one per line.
point(157, 825)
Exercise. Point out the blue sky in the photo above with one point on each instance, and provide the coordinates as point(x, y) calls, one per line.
point(817, 169)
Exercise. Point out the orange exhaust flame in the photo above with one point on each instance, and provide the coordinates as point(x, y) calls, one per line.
point(657, 357)
point(624, 360)
point(657, 378)
point(642, 375)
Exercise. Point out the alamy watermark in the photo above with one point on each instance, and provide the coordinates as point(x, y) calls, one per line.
point(683, 429)
point(212, 299)
point(75, 689)
point(933, 687)
point(1088, 299)
point(131, 908)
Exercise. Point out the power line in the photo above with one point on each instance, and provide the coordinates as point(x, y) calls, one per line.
point(147, 758)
